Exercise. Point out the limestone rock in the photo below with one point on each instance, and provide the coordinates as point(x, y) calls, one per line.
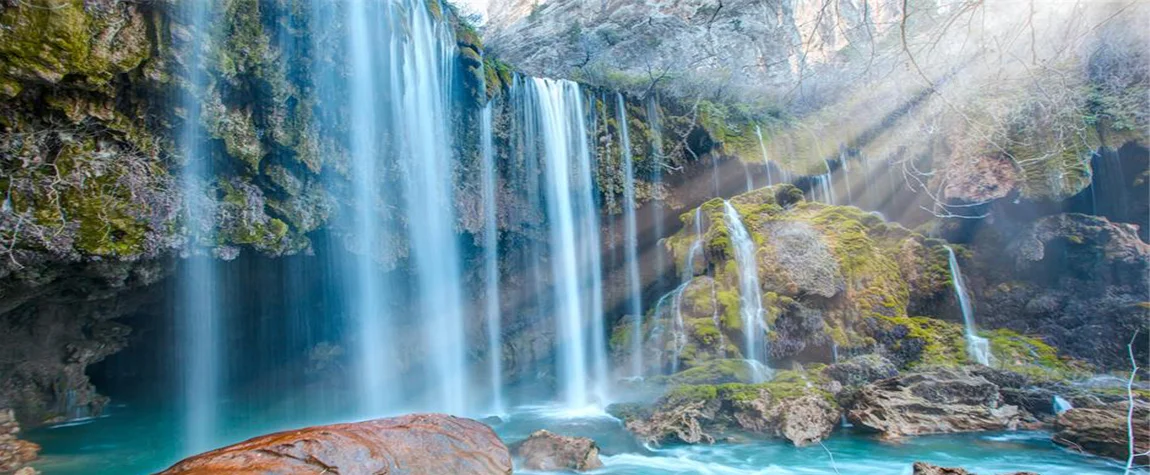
point(805, 420)
point(544, 450)
point(417, 443)
point(942, 401)
point(1103, 431)
point(862, 369)
point(14, 453)
point(922, 468)
point(794, 406)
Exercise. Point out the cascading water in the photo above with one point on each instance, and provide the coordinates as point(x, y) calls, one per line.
point(655, 126)
point(846, 177)
point(367, 289)
point(1060, 404)
point(396, 98)
point(491, 262)
point(592, 253)
point(423, 64)
point(828, 185)
point(198, 313)
point(977, 347)
point(763, 150)
point(631, 242)
point(747, 175)
point(750, 296)
point(574, 245)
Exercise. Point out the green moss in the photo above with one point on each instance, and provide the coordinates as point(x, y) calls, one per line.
point(694, 392)
point(51, 39)
point(943, 343)
point(713, 372)
point(1030, 356)
point(731, 319)
point(109, 220)
point(621, 337)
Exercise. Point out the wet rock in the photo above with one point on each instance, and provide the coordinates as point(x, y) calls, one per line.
point(804, 420)
point(417, 443)
point(679, 421)
point(942, 401)
point(794, 406)
point(860, 370)
point(544, 450)
point(14, 453)
point(1072, 275)
point(921, 468)
point(1103, 431)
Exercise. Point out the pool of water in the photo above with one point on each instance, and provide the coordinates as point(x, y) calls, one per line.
point(135, 441)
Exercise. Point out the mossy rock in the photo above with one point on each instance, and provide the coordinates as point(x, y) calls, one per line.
point(1031, 357)
point(52, 40)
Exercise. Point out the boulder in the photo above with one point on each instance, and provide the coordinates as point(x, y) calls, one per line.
point(543, 450)
point(417, 443)
point(921, 468)
point(794, 406)
point(805, 420)
point(862, 369)
point(14, 453)
point(940, 401)
point(1103, 431)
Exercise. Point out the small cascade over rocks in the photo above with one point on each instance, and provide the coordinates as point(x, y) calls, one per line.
point(750, 295)
point(978, 348)
point(1061, 405)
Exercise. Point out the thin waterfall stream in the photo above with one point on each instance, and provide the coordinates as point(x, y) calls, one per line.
point(491, 262)
point(198, 313)
point(631, 242)
point(750, 295)
point(976, 346)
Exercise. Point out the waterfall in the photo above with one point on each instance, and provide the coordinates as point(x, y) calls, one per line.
point(367, 288)
point(847, 177)
point(424, 66)
point(655, 126)
point(197, 313)
point(631, 243)
point(679, 329)
point(750, 296)
point(593, 255)
point(573, 231)
point(747, 175)
point(395, 99)
point(977, 347)
point(1061, 405)
point(674, 300)
point(828, 184)
point(491, 262)
point(763, 150)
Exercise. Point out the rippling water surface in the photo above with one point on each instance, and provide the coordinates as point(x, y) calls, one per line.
point(129, 441)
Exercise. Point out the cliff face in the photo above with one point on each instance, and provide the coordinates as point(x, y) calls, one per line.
point(750, 46)
point(929, 91)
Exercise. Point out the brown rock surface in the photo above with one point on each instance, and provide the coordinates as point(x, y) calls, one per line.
point(417, 443)
point(544, 450)
point(14, 453)
point(942, 401)
point(1103, 431)
point(921, 468)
